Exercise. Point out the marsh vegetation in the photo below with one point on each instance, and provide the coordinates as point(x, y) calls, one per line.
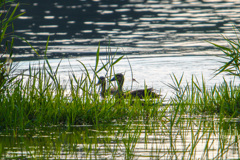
point(42, 119)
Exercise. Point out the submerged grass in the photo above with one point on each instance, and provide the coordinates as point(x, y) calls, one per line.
point(187, 138)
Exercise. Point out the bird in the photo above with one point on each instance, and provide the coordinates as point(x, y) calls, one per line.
point(102, 82)
point(141, 93)
point(120, 80)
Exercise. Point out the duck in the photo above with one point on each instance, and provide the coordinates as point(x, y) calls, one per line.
point(141, 93)
point(102, 82)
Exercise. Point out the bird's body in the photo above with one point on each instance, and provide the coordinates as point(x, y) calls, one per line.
point(141, 93)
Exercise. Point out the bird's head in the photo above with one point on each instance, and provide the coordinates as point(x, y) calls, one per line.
point(118, 77)
point(101, 80)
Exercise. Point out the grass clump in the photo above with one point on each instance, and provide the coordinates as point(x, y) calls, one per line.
point(39, 99)
point(196, 98)
point(231, 54)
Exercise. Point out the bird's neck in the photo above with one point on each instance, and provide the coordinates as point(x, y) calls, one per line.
point(120, 85)
point(103, 90)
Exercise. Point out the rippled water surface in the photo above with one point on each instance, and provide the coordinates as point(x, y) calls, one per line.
point(166, 27)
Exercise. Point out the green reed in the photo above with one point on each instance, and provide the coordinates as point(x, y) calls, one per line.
point(40, 98)
point(231, 53)
point(196, 98)
point(7, 17)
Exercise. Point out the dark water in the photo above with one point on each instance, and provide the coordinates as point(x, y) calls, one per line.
point(167, 27)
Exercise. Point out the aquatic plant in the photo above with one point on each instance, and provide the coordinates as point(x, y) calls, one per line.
point(38, 97)
point(231, 54)
point(197, 98)
point(7, 17)
point(175, 136)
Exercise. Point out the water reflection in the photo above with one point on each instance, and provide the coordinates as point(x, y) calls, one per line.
point(143, 26)
point(189, 138)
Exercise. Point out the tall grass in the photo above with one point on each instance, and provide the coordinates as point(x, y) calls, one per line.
point(231, 53)
point(7, 16)
point(197, 98)
point(38, 99)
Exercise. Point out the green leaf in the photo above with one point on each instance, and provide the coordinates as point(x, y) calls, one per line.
point(97, 56)
point(117, 60)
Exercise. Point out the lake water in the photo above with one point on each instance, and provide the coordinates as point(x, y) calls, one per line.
point(140, 27)
point(159, 37)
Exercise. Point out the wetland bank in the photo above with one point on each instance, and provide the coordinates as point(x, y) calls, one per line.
point(42, 119)
point(52, 109)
